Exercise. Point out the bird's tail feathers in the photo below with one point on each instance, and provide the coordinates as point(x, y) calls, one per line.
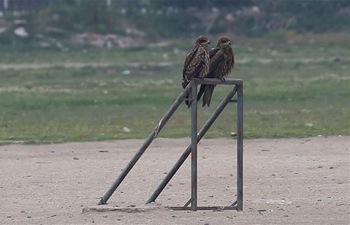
point(208, 92)
point(201, 92)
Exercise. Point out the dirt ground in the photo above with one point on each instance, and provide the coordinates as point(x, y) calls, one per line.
point(286, 181)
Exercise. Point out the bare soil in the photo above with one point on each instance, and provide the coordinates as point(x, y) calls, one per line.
point(286, 181)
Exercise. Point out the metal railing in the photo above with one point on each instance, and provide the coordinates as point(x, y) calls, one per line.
point(195, 138)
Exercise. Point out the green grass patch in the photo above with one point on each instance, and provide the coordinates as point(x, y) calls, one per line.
point(298, 92)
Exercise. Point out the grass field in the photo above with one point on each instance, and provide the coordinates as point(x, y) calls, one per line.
point(290, 90)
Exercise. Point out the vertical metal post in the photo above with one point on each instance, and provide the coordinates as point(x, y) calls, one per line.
point(240, 148)
point(194, 146)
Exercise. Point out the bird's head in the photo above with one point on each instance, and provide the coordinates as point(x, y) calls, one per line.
point(224, 41)
point(203, 40)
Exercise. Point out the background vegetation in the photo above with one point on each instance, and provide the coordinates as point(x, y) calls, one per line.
point(296, 77)
point(163, 19)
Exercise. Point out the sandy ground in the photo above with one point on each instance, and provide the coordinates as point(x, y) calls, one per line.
point(286, 181)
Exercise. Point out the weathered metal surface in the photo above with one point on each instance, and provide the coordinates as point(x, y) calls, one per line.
point(186, 153)
point(143, 148)
point(194, 147)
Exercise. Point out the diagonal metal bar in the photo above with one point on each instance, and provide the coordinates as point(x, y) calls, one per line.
point(184, 155)
point(233, 204)
point(187, 203)
point(148, 141)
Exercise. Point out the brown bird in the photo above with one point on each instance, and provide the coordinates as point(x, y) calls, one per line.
point(221, 63)
point(197, 62)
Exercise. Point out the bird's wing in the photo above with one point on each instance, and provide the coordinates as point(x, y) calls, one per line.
point(229, 61)
point(188, 60)
point(196, 63)
point(216, 62)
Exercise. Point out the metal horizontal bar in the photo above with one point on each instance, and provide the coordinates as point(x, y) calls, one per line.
point(216, 208)
point(218, 81)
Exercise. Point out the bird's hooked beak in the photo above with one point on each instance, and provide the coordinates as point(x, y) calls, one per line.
point(229, 42)
point(208, 42)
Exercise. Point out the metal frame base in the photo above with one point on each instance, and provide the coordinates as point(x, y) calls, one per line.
point(195, 138)
point(233, 206)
